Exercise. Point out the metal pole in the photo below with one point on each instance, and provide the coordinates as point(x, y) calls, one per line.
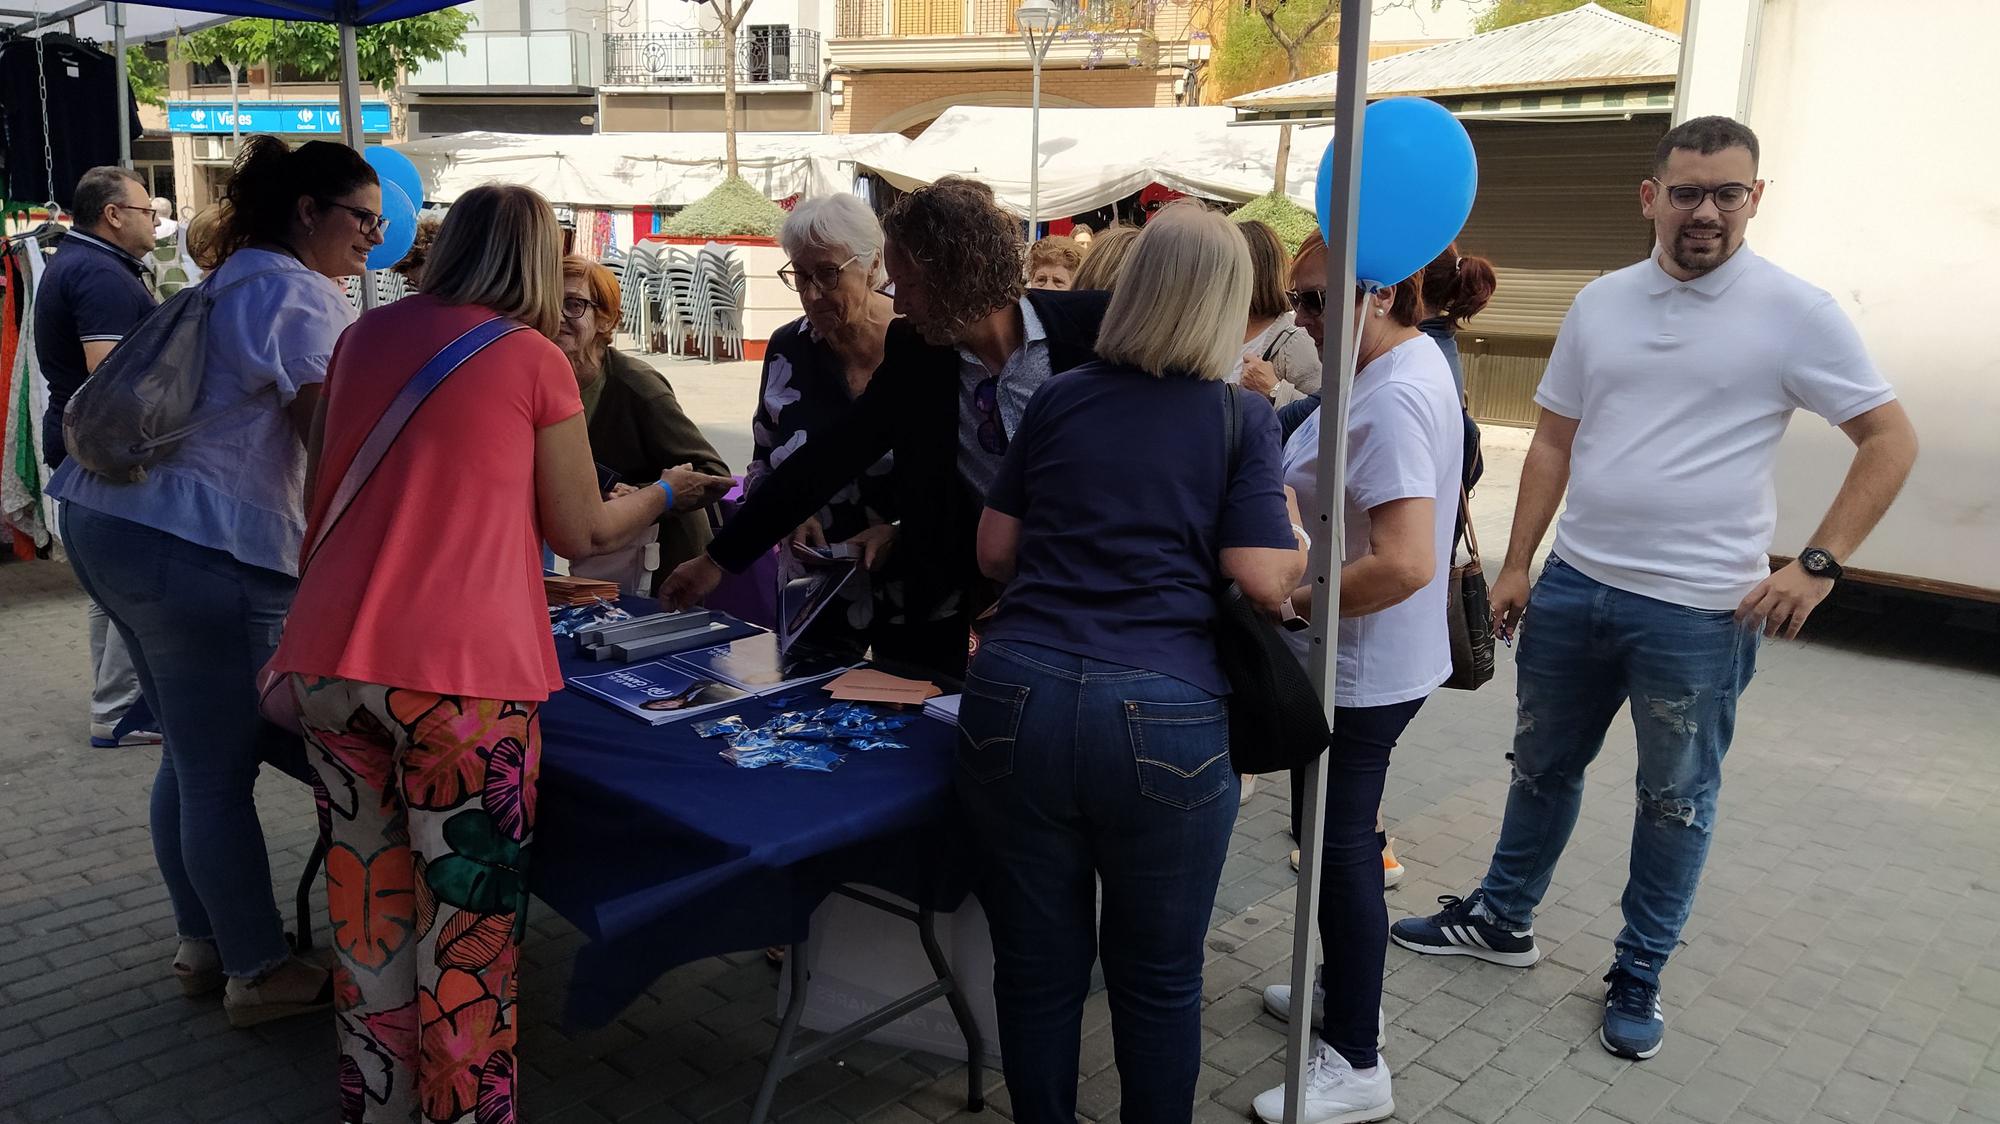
point(1035, 148)
point(1350, 94)
point(350, 122)
point(117, 14)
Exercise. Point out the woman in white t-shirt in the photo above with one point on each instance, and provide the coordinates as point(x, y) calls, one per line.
point(1280, 360)
point(1404, 447)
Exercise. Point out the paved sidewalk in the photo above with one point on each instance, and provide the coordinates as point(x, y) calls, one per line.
point(1843, 963)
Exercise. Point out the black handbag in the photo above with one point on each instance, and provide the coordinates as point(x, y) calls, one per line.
point(1468, 610)
point(1276, 721)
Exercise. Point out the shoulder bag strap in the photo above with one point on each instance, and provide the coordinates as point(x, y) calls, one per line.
point(390, 425)
point(1465, 526)
point(1278, 341)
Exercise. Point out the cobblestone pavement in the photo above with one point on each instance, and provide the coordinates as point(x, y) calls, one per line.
point(1843, 963)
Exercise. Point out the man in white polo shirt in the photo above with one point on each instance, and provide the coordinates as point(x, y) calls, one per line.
point(1670, 386)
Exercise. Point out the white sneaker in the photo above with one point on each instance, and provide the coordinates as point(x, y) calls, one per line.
point(1278, 1001)
point(1336, 1093)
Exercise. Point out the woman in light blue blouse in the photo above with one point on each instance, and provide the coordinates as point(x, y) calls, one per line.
point(197, 563)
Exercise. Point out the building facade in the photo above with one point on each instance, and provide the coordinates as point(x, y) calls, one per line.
point(897, 64)
point(206, 119)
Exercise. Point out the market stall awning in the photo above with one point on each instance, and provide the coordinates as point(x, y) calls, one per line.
point(1093, 157)
point(643, 169)
point(1583, 62)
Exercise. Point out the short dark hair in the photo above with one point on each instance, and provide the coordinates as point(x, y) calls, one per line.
point(1706, 135)
point(99, 188)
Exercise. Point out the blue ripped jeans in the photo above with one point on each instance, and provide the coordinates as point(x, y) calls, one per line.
point(1586, 650)
point(1072, 772)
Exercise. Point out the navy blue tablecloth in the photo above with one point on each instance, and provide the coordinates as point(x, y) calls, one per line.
point(661, 852)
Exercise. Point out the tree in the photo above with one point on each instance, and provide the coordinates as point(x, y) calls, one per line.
point(1507, 13)
point(1302, 30)
point(729, 13)
point(147, 75)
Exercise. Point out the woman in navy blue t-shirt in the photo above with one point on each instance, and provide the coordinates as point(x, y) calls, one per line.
point(1095, 729)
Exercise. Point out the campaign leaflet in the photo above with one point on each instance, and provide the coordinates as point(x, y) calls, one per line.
point(758, 665)
point(809, 579)
point(658, 692)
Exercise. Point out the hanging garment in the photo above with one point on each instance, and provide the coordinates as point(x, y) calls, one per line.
point(21, 472)
point(82, 112)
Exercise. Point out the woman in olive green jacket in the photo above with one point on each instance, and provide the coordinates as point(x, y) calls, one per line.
point(637, 427)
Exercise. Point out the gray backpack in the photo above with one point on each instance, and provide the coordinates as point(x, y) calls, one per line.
point(137, 407)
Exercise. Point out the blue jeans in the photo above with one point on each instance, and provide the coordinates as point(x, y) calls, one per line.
point(199, 625)
point(1072, 771)
point(1586, 650)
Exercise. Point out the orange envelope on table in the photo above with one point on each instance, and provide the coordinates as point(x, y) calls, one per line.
point(865, 685)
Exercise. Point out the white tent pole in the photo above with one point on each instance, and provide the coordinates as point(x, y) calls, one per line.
point(1326, 523)
point(350, 121)
point(117, 14)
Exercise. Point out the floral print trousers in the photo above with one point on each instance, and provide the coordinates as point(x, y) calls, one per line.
point(428, 802)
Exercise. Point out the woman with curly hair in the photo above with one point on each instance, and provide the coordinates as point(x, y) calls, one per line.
point(957, 371)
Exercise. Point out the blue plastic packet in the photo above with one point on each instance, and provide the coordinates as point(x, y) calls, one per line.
point(720, 727)
point(817, 758)
point(756, 758)
point(866, 744)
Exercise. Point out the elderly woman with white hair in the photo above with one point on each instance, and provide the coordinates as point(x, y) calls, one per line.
point(814, 369)
point(1095, 719)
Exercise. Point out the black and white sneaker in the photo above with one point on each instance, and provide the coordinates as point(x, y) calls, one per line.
point(1464, 927)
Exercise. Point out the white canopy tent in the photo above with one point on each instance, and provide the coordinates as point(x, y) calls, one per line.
point(616, 170)
point(1092, 157)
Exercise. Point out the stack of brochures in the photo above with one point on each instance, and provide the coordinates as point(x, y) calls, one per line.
point(703, 679)
point(944, 708)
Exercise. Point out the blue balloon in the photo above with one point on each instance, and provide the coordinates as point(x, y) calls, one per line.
point(394, 167)
point(402, 231)
point(1418, 178)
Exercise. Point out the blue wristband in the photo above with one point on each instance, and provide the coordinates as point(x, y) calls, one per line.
point(669, 490)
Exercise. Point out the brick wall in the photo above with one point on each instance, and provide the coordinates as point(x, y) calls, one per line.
point(897, 102)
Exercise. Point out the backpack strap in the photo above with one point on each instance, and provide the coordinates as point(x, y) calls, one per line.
point(390, 425)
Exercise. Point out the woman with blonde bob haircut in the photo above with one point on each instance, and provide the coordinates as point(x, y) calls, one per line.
point(419, 650)
point(1095, 715)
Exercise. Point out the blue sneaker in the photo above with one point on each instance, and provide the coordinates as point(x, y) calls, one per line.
point(1465, 927)
point(1633, 1024)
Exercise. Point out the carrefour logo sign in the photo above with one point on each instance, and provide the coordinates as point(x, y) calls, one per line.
point(313, 118)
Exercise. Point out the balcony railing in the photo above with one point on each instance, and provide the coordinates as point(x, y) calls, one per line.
point(520, 59)
point(696, 58)
point(870, 19)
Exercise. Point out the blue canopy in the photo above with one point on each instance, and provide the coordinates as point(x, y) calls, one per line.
point(90, 19)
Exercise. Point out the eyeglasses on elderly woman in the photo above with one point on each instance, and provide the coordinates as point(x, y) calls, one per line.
point(823, 278)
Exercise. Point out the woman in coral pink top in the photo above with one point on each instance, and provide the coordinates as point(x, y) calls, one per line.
point(420, 653)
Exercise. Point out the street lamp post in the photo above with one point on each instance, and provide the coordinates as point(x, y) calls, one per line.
point(1038, 20)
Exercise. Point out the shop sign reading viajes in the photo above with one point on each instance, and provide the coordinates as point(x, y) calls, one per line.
point(314, 118)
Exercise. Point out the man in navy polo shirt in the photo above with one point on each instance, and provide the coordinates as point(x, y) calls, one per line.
point(92, 294)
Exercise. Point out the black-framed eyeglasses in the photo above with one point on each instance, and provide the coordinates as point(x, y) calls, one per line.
point(369, 221)
point(576, 308)
point(1690, 196)
point(823, 278)
point(986, 398)
point(147, 211)
point(1312, 302)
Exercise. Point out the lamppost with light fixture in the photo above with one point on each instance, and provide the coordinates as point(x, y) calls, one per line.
point(1038, 20)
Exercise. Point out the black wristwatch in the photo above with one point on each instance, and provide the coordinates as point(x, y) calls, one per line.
point(1819, 564)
